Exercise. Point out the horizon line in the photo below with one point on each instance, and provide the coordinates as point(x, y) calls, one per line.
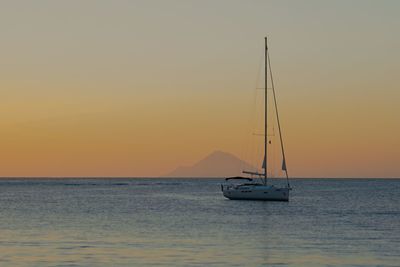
point(170, 177)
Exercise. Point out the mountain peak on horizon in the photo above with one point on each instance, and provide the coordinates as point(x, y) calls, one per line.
point(216, 164)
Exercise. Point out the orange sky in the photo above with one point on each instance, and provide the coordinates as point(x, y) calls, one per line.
point(137, 88)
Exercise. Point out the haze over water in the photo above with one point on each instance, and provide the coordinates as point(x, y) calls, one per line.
point(138, 88)
point(187, 222)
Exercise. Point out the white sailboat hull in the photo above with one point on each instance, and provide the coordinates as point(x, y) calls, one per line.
point(256, 192)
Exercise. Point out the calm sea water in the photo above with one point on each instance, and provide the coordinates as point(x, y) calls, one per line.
point(187, 222)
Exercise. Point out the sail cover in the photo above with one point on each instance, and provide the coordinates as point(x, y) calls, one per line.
point(283, 165)
point(264, 165)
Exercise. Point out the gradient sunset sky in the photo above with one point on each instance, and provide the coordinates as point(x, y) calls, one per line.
point(137, 88)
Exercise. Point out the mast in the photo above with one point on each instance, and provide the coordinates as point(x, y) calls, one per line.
point(266, 113)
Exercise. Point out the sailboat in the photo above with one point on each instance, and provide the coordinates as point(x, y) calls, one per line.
point(250, 189)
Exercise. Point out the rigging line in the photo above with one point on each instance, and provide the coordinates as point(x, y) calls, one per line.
point(277, 118)
point(257, 154)
point(248, 140)
point(248, 143)
point(260, 61)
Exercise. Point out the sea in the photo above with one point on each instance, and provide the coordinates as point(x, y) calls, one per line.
point(187, 222)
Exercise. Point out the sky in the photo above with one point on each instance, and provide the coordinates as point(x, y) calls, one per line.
point(137, 88)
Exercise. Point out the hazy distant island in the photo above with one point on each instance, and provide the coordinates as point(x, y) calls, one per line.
point(216, 164)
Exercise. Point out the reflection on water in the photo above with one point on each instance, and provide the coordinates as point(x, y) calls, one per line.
point(187, 222)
